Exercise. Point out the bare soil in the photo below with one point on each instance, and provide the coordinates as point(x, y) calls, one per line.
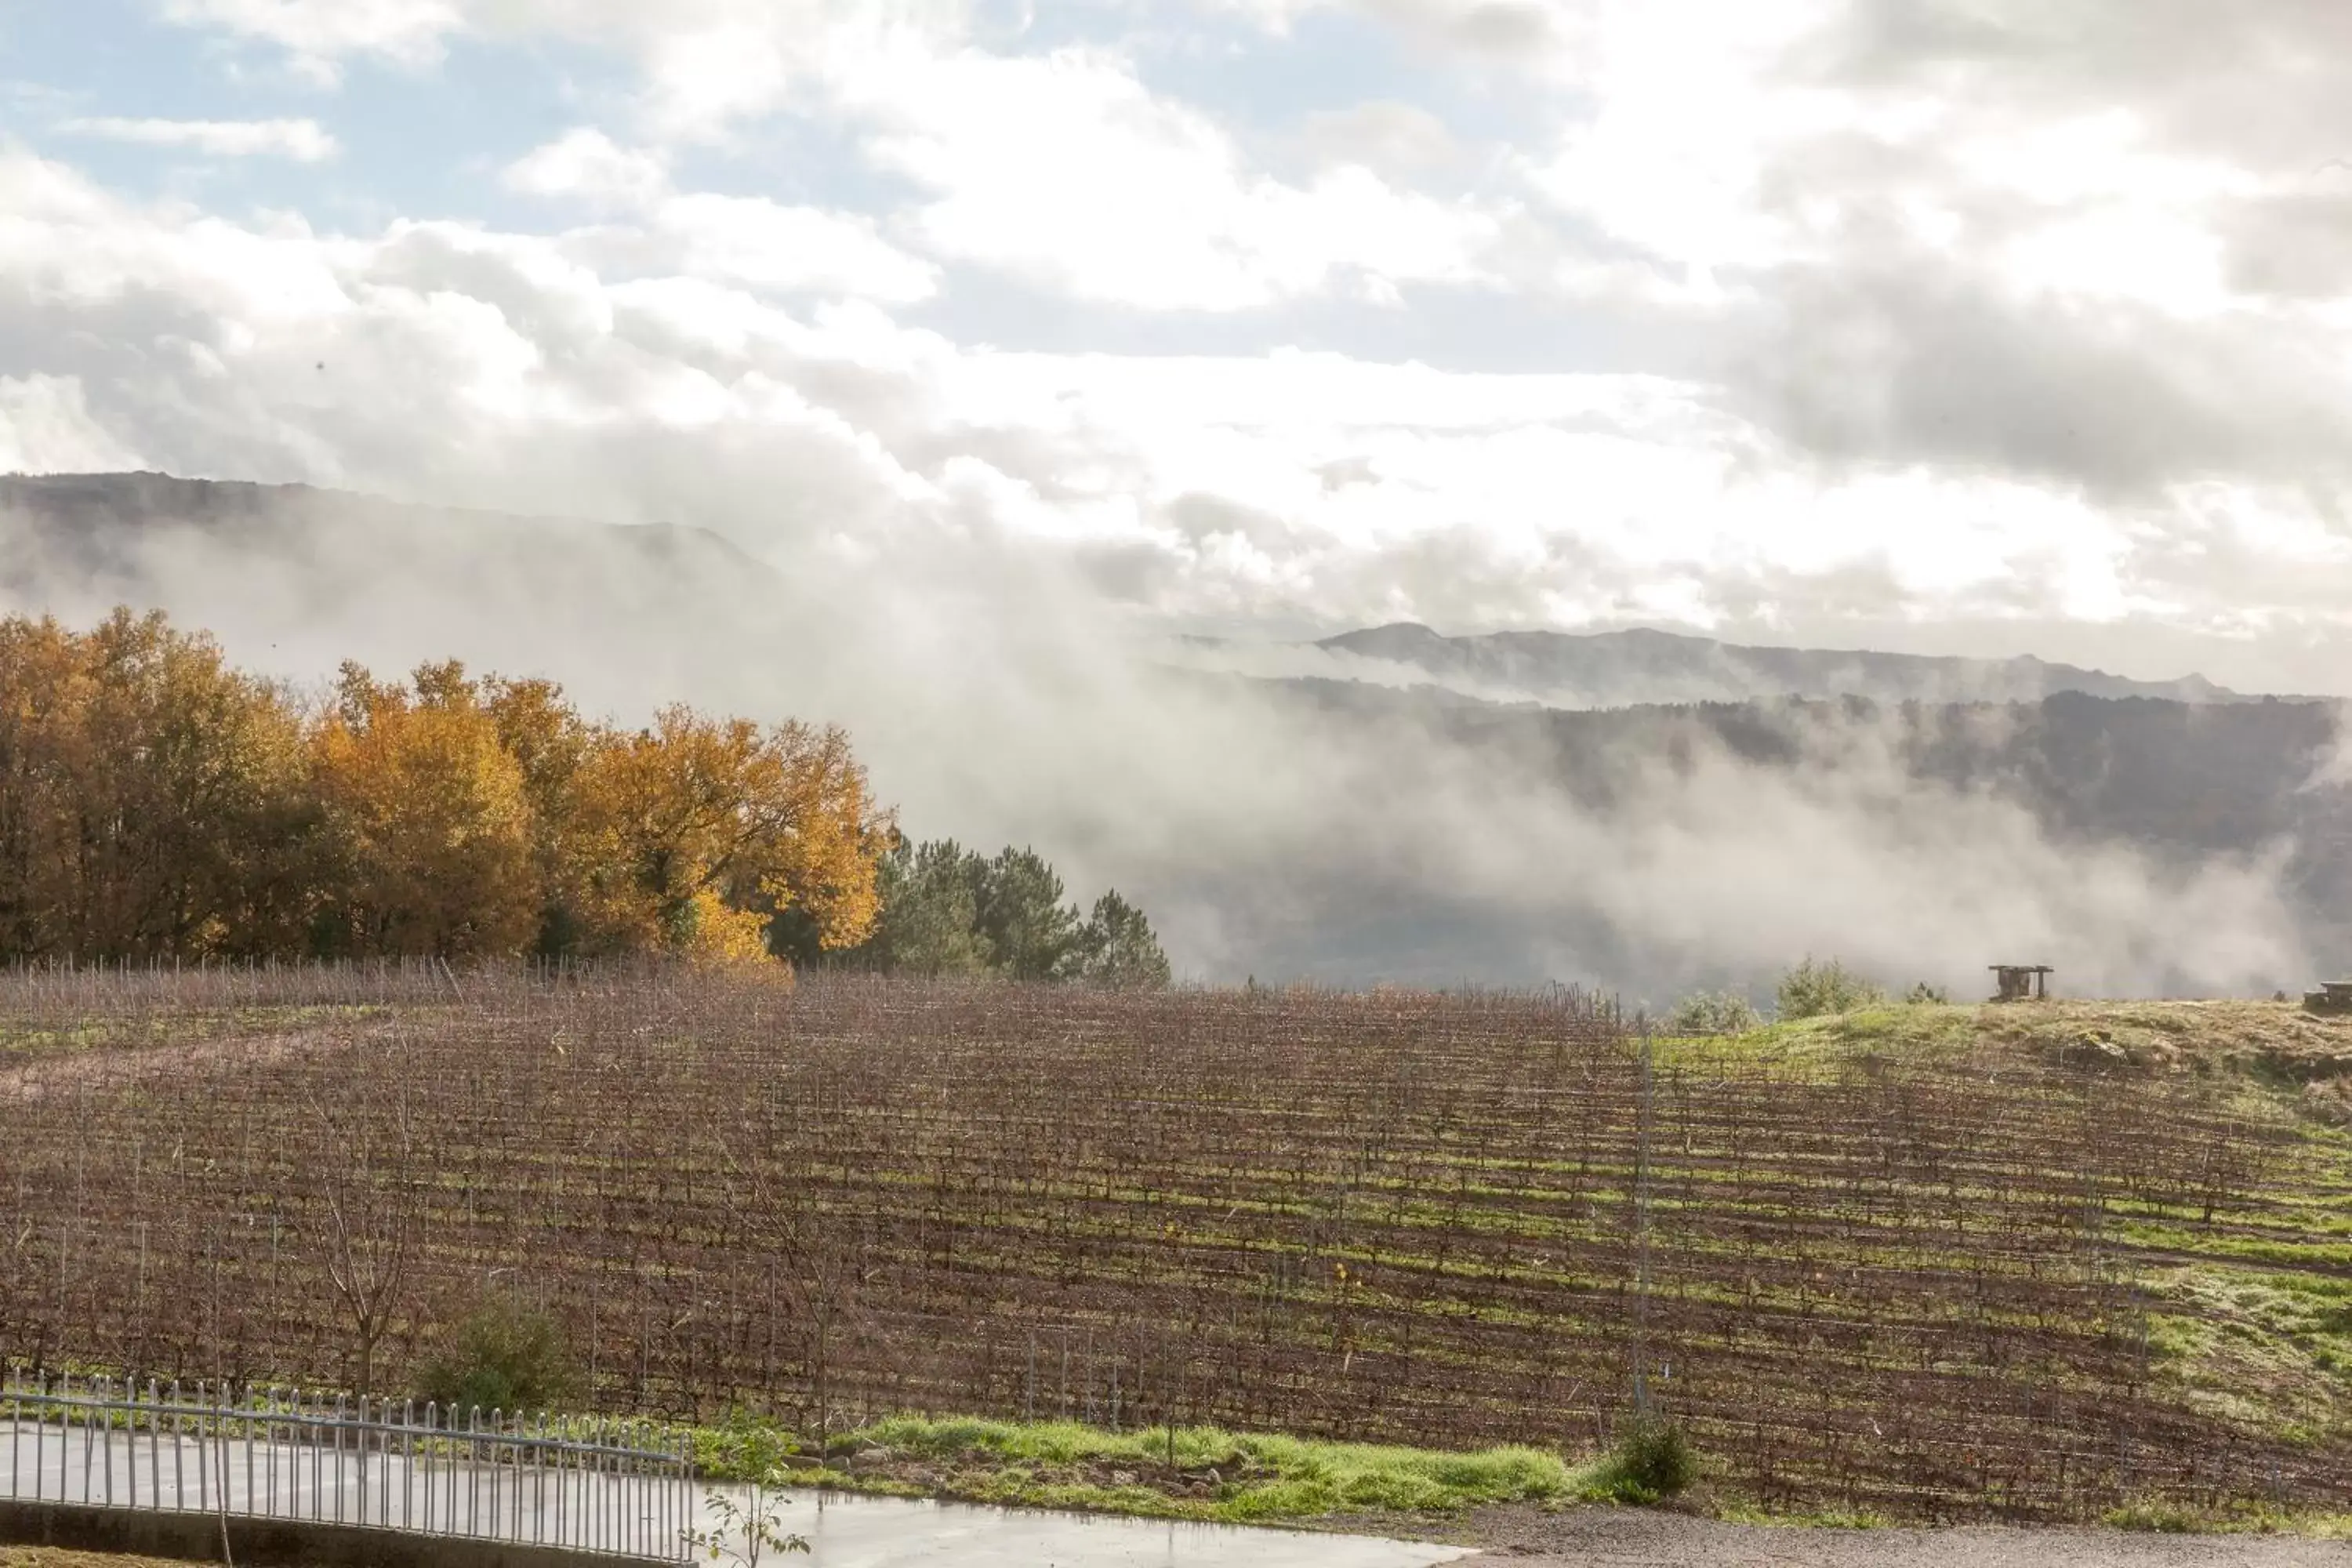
point(37, 1076)
point(1520, 1537)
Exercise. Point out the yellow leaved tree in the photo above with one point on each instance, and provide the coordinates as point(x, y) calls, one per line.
point(157, 802)
point(150, 795)
point(426, 841)
point(690, 835)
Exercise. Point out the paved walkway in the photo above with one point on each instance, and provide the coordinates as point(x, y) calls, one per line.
point(632, 1515)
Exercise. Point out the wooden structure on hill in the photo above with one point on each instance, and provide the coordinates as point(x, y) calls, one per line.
point(2333, 997)
point(2021, 981)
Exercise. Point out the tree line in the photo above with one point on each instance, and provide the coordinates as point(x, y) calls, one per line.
point(158, 804)
point(947, 910)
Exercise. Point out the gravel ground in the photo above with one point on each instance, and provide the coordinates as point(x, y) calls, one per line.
point(1635, 1538)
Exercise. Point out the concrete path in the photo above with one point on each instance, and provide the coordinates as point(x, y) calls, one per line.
point(886, 1533)
point(623, 1514)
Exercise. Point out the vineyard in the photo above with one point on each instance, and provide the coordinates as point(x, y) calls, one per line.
point(1961, 1277)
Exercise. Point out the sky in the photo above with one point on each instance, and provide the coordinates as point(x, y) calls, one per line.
point(1991, 326)
point(1978, 326)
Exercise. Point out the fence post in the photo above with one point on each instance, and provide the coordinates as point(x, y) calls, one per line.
point(1642, 1237)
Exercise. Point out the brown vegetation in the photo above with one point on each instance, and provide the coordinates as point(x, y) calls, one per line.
point(1901, 1283)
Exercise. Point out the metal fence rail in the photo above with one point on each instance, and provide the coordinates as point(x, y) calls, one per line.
point(613, 1488)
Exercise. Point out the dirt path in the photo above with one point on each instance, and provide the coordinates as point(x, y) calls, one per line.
point(53, 1073)
point(1632, 1538)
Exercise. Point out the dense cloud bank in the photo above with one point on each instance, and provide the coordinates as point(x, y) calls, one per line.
point(1339, 831)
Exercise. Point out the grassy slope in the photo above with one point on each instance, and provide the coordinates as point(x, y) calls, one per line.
point(2261, 1330)
point(58, 1557)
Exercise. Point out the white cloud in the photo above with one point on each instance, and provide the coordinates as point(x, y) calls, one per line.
point(587, 165)
point(752, 240)
point(318, 34)
point(706, 63)
point(737, 239)
point(45, 428)
point(1530, 34)
point(1065, 170)
point(304, 141)
point(1062, 169)
point(548, 373)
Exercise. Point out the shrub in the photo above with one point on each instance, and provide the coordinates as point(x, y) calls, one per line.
point(2164, 1518)
point(1652, 1461)
point(505, 1355)
point(1925, 995)
point(1812, 990)
point(1712, 1013)
point(744, 1447)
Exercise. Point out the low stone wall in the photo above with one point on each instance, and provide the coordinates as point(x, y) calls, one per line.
point(270, 1542)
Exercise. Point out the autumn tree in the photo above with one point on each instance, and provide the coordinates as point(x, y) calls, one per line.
point(150, 796)
point(426, 847)
point(691, 836)
point(155, 802)
point(552, 745)
point(44, 681)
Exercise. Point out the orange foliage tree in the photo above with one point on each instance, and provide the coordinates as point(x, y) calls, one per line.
point(149, 795)
point(691, 836)
point(155, 802)
point(427, 833)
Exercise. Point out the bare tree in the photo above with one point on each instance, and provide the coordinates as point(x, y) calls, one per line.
point(373, 1198)
point(771, 1207)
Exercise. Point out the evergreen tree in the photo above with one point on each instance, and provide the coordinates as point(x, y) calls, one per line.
point(930, 911)
point(1029, 932)
point(1117, 947)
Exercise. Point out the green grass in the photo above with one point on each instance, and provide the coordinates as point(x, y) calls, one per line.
point(2270, 1352)
point(2175, 1519)
point(1214, 1475)
point(1740, 1513)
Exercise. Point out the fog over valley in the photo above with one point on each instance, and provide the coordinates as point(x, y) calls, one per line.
point(1289, 815)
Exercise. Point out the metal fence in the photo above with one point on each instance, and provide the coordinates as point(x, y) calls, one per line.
point(614, 1487)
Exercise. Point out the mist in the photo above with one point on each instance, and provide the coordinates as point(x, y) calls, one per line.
point(998, 696)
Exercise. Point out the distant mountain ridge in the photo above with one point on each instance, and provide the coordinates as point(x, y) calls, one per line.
point(1621, 668)
point(89, 520)
point(106, 528)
